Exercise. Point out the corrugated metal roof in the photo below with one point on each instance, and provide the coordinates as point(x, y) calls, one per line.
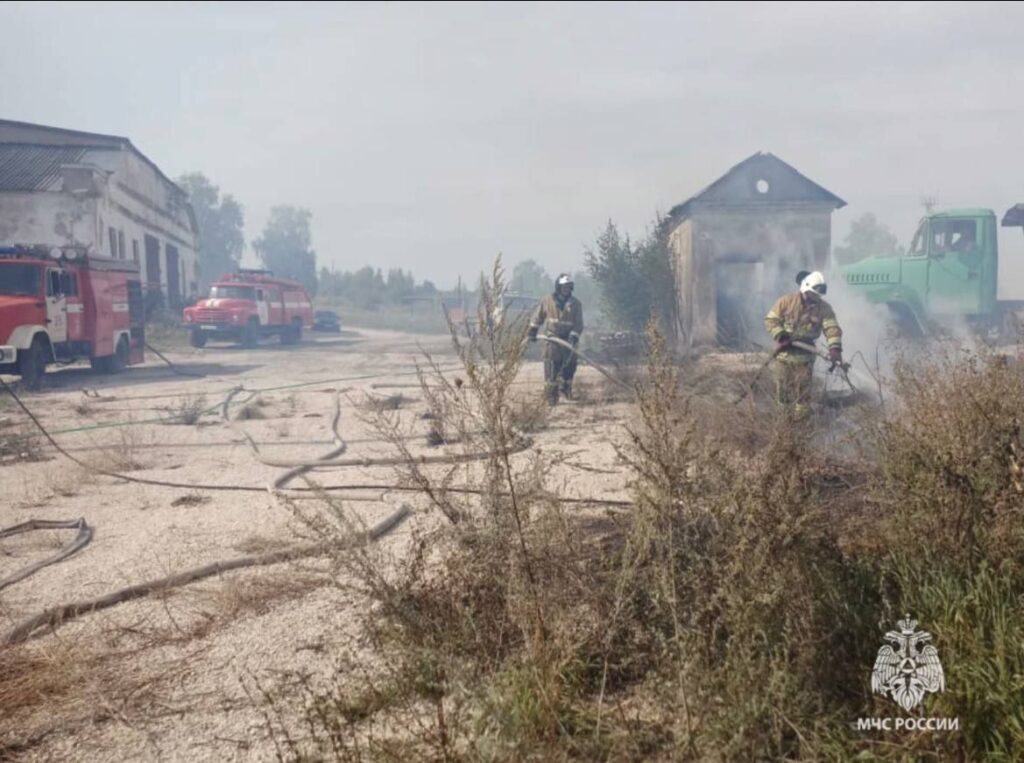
point(35, 168)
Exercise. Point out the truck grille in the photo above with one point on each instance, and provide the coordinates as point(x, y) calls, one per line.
point(863, 278)
point(205, 315)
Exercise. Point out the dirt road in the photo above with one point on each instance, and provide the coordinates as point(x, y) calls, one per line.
point(178, 677)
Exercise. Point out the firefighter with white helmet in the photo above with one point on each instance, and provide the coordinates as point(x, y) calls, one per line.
point(802, 316)
point(560, 315)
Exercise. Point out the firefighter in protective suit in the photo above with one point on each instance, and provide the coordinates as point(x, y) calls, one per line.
point(801, 316)
point(560, 315)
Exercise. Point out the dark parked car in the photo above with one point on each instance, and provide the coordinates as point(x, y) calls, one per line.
point(326, 320)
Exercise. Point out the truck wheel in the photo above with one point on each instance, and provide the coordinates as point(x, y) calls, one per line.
point(292, 334)
point(197, 338)
point(250, 335)
point(32, 364)
point(119, 360)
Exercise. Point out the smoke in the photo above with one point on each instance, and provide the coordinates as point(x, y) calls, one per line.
point(868, 343)
point(873, 342)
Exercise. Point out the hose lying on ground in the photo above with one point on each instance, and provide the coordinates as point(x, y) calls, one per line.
point(297, 469)
point(330, 460)
point(252, 488)
point(54, 617)
point(174, 368)
point(81, 541)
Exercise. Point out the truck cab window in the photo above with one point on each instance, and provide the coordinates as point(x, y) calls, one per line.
point(959, 236)
point(917, 246)
point(53, 283)
point(18, 279)
point(68, 284)
point(231, 292)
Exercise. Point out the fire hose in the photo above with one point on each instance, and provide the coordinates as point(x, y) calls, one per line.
point(80, 541)
point(586, 359)
point(54, 617)
point(844, 368)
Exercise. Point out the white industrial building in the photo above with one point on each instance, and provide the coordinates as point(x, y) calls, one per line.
point(65, 187)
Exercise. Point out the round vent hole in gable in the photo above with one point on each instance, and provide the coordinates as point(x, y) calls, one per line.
point(762, 186)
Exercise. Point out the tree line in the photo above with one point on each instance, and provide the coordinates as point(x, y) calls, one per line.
point(628, 282)
point(284, 247)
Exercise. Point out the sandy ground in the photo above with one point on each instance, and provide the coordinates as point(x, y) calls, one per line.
point(178, 678)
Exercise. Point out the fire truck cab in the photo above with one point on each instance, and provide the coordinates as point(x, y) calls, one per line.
point(247, 305)
point(61, 305)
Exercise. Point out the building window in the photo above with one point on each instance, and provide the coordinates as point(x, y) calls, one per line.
point(120, 245)
point(135, 250)
point(113, 241)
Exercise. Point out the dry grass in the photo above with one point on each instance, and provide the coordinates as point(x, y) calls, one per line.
point(379, 403)
point(250, 411)
point(18, 444)
point(122, 455)
point(19, 440)
point(62, 686)
point(733, 615)
point(530, 413)
point(188, 410)
point(259, 544)
point(190, 499)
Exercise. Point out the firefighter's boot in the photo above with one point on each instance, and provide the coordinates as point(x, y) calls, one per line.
point(551, 393)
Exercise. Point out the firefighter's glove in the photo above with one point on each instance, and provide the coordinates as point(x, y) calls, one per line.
point(836, 356)
point(782, 341)
point(574, 340)
point(533, 333)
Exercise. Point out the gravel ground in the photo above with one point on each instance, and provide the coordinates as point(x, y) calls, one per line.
point(174, 677)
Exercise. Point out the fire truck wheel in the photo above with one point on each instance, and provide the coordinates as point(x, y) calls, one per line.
point(119, 360)
point(292, 334)
point(197, 338)
point(250, 335)
point(32, 364)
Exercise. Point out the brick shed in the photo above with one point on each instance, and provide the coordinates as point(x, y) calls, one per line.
point(738, 244)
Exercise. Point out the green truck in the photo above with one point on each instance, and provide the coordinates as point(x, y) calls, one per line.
point(950, 273)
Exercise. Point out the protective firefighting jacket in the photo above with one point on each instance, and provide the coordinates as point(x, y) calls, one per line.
point(559, 317)
point(804, 319)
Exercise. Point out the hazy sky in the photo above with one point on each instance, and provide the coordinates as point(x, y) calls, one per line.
point(432, 137)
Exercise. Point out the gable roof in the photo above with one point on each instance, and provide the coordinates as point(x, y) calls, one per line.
point(35, 168)
point(12, 131)
point(742, 186)
point(31, 155)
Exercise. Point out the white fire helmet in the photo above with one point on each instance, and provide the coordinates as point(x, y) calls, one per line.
point(814, 282)
point(563, 280)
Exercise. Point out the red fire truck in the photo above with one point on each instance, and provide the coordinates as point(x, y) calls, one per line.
point(61, 305)
point(249, 304)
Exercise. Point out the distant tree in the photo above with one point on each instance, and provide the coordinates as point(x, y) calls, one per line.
point(286, 245)
point(588, 291)
point(636, 282)
point(529, 278)
point(867, 238)
point(399, 284)
point(369, 289)
point(220, 220)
